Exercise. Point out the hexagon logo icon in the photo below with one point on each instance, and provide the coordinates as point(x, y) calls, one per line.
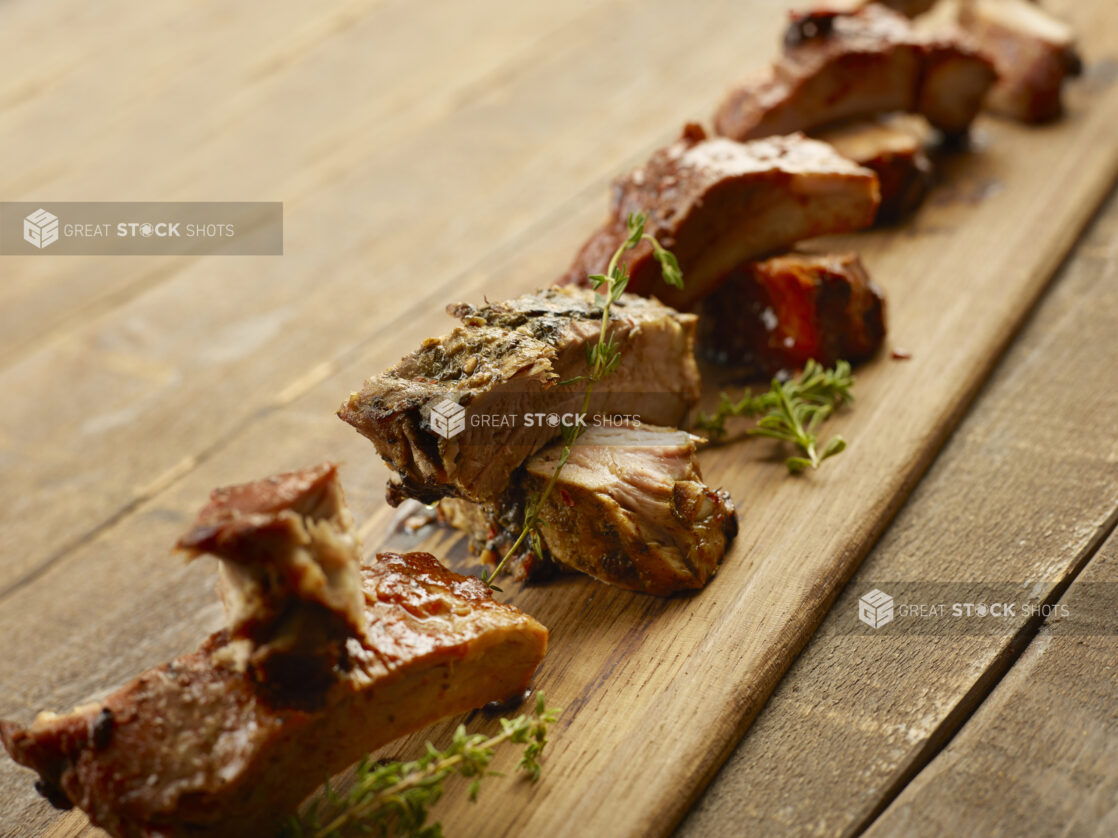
point(875, 609)
point(447, 419)
point(40, 228)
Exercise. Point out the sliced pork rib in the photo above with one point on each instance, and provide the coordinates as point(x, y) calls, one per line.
point(1033, 52)
point(716, 203)
point(895, 149)
point(508, 365)
point(775, 315)
point(629, 508)
point(204, 746)
point(289, 575)
point(842, 66)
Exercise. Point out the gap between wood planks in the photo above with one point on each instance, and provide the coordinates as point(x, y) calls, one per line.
point(984, 685)
point(173, 421)
point(301, 385)
point(852, 714)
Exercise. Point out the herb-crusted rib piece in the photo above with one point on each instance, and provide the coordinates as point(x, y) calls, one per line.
point(841, 66)
point(629, 508)
point(716, 203)
point(205, 745)
point(506, 361)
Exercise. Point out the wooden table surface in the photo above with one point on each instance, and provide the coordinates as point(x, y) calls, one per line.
point(420, 150)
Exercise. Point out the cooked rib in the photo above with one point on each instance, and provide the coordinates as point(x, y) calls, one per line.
point(894, 150)
point(202, 746)
point(289, 575)
point(716, 203)
point(629, 508)
point(509, 360)
point(1032, 51)
point(775, 315)
point(839, 66)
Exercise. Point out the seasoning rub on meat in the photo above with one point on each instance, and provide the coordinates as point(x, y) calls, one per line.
point(506, 369)
point(212, 743)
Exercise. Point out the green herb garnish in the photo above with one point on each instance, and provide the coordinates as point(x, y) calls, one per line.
point(602, 359)
point(791, 411)
point(394, 798)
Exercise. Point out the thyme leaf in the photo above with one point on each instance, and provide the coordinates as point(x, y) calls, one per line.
point(791, 412)
point(602, 359)
point(395, 798)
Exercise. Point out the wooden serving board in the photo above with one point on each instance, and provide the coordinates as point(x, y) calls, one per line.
point(656, 692)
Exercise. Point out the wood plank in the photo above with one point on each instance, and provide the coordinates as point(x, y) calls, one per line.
point(1041, 754)
point(144, 400)
point(652, 659)
point(630, 668)
point(360, 75)
point(1024, 491)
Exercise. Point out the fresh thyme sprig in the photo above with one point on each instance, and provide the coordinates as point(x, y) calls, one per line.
point(602, 359)
point(394, 799)
point(791, 412)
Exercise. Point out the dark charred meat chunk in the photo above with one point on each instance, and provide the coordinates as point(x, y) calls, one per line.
point(716, 203)
point(289, 577)
point(509, 360)
point(629, 508)
point(896, 151)
point(773, 316)
point(870, 62)
point(202, 746)
point(1033, 53)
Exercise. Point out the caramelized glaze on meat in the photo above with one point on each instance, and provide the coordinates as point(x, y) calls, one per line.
point(858, 65)
point(895, 150)
point(203, 746)
point(773, 316)
point(1033, 53)
point(716, 203)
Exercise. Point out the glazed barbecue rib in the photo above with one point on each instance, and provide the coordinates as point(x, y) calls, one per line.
point(894, 149)
point(207, 745)
point(507, 365)
point(774, 316)
point(838, 66)
point(716, 203)
point(630, 508)
point(1033, 53)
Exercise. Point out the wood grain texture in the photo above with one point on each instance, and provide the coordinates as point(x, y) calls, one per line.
point(648, 685)
point(1023, 492)
point(1040, 757)
point(398, 227)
